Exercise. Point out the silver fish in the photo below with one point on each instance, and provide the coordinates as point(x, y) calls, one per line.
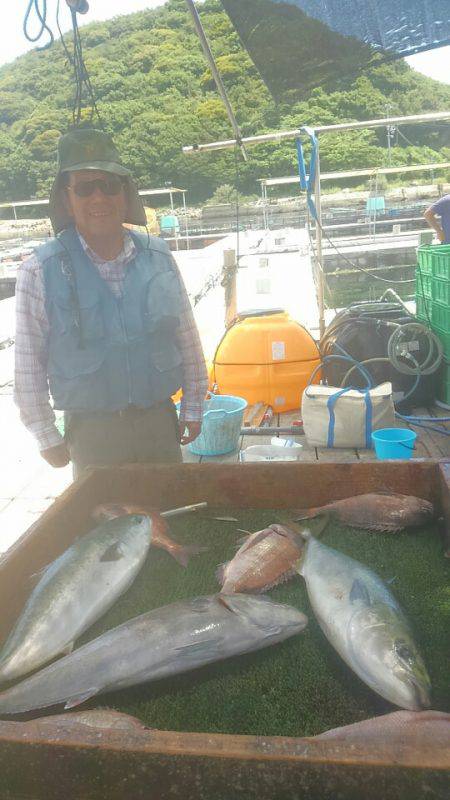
point(74, 591)
point(163, 642)
point(365, 624)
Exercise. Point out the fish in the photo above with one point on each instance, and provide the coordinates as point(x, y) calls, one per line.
point(181, 553)
point(161, 643)
point(265, 559)
point(365, 624)
point(377, 512)
point(398, 729)
point(74, 591)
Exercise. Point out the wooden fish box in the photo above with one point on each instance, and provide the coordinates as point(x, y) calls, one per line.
point(95, 755)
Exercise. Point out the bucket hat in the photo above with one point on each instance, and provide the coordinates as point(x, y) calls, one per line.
point(88, 148)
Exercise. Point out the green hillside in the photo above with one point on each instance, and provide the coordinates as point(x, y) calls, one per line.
point(155, 93)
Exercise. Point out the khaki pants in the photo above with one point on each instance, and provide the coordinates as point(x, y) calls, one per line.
point(135, 435)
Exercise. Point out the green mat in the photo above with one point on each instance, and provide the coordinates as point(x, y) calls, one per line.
point(300, 687)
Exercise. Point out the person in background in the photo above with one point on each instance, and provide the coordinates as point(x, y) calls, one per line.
point(438, 218)
point(104, 324)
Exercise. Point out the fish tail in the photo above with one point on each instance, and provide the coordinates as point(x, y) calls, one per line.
point(183, 553)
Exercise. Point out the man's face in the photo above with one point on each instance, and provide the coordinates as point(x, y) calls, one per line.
point(95, 210)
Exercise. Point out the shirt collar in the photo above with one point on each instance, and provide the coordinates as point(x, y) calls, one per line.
point(127, 253)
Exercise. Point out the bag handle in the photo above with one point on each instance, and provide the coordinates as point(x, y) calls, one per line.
point(331, 403)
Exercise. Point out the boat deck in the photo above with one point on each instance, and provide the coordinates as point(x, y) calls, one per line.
point(429, 444)
point(29, 485)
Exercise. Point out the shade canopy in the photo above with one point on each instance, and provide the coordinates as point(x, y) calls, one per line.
point(301, 44)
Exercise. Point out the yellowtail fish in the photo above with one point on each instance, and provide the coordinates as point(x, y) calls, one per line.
point(74, 591)
point(164, 642)
point(365, 624)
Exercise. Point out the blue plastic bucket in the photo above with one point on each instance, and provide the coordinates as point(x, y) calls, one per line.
point(394, 442)
point(221, 427)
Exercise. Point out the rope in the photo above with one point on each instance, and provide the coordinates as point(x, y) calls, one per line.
point(42, 18)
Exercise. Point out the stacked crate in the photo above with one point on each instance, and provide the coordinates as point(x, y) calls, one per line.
point(433, 303)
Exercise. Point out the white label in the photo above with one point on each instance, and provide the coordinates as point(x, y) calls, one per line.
point(278, 351)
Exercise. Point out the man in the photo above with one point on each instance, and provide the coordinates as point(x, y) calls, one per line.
point(104, 323)
point(440, 209)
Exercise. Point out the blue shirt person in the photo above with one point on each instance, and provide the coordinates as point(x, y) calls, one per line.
point(438, 217)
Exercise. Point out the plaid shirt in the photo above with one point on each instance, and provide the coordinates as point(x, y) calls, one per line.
point(31, 391)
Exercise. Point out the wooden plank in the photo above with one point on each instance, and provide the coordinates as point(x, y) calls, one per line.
point(250, 412)
point(365, 454)
point(112, 756)
point(336, 454)
point(259, 415)
point(437, 445)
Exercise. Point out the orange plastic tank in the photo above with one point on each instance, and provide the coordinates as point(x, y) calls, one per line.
point(265, 356)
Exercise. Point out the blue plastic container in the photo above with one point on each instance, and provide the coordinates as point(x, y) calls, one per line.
point(222, 422)
point(394, 443)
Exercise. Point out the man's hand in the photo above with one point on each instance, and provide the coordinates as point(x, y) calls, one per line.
point(189, 431)
point(56, 456)
point(441, 235)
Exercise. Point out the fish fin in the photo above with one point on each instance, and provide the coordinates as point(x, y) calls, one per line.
point(77, 699)
point(306, 513)
point(67, 649)
point(183, 553)
point(226, 601)
point(359, 591)
point(112, 553)
point(286, 576)
point(243, 539)
point(256, 537)
point(195, 650)
point(220, 572)
point(316, 530)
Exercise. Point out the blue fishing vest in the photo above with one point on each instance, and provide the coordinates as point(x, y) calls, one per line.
point(105, 352)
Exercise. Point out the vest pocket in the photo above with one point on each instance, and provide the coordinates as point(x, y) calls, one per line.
point(165, 357)
point(83, 320)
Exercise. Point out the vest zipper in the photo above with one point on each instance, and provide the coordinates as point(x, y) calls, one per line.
point(124, 330)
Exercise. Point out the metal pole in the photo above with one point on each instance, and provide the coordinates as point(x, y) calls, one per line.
point(216, 75)
point(186, 227)
point(229, 274)
point(293, 134)
point(173, 214)
point(320, 271)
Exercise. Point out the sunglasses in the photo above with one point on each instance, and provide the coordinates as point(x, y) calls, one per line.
point(109, 186)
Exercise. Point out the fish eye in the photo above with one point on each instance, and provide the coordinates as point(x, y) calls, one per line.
point(403, 652)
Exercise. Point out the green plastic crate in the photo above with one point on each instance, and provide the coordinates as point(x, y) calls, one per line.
point(444, 336)
point(440, 291)
point(443, 384)
point(424, 258)
point(440, 317)
point(440, 262)
point(423, 285)
point(434, 260)
point(422, 306)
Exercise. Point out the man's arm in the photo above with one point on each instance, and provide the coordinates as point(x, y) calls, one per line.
point(195, 377)
point(434, 222)
point(31, 392)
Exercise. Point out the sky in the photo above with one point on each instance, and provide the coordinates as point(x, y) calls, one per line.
point(434, 63)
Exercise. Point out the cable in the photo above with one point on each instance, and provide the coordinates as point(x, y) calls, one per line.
point(426, 368)
point(356, 266)
point(42, 17)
